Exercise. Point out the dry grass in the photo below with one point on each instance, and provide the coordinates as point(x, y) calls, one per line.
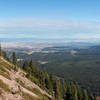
point(34, 90)
point(28, 97)
point(4, 64)
point(2, 69)
point(4, 86)
point(5, 75)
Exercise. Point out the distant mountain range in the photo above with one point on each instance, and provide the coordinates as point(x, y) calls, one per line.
point(23, 44)
point(51, 40)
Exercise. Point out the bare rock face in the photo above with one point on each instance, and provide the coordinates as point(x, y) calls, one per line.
point(14, 84)
point(7, 96)
point(11, 97)
point(14, 97)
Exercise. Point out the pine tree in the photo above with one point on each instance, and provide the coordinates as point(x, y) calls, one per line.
point(57, 90)
point(68, 93)
point(14, 61)
point(4, 54)
point(75, 93)
point(92, 97)
point(48, 83)
point(14, 58)
point(42, 79)
point(64, 88)
point(80, 95)
point(26, 66)
point(85, 95)
point(32, 66)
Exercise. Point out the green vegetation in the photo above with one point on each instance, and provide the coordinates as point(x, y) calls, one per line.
point(4, 72)
point(5, 75)
point(37, 92)
point(3, 69)
point(4, 54)
point(34, 90)
point(6, 65)
point(28, 97)
point(21, 83)
point(82, 68)
point(32, 78)
point(15, 61)
point(55, 86)
point(14, 58)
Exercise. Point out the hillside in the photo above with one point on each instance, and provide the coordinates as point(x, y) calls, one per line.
point(30, 83)
point(15, 86)
point(81, 65)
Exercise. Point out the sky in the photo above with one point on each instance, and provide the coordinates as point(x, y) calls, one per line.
point(50, 19)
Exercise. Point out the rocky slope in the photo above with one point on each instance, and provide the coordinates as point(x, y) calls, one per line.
point(15, 86)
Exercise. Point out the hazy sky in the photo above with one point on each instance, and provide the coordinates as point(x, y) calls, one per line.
point(50, 19)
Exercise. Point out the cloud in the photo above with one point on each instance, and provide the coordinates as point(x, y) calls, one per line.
point(48, 28)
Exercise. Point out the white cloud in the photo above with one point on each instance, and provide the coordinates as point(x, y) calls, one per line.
point(46, 28)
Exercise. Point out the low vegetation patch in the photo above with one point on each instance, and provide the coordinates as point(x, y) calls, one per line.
point(4, 64)
point(5, 75)
point(20, 82)
point(41, 96)
point(37, 92)
point(2, 69)
point(32, 78)
point(28, 97)
point(34, 90)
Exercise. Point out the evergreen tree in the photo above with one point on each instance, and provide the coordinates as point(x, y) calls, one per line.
point(80, 95)
point(14, 58)
point(32, 66)
point(85, 95)
point(92, 97)
point(26, 66)
point(14, 61)
point(48, 83)
point(75, 93)
point(64, 88)
point(56, 86)
point(57, 90)
point(42, 79)
point(4, 54)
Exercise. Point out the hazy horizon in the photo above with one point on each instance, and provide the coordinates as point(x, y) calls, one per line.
point(54, 20)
